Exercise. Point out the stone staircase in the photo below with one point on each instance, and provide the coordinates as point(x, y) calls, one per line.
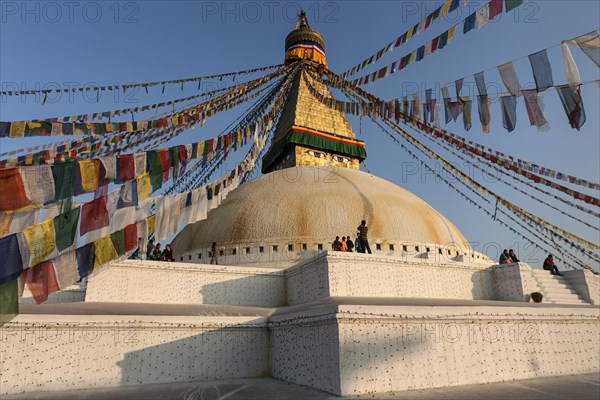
point(556, 289)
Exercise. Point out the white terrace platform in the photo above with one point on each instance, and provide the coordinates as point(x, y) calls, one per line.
point(342, 323)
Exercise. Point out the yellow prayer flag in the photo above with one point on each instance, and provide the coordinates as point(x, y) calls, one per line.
point(152, 224)
point(40, 241)
point(451, 33)
point(200, 149)
point(143, 187)
point(446, 7)
point(89, 175)
point(104, 252)
point(17, 129)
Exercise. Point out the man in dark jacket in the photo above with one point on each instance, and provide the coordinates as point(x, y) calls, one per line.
point(550, 266)
point(349, 244)
point(362, 233)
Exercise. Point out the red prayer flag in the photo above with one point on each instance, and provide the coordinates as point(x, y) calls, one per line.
point(182, 153)
point(428, 20)
point(126, 167)
point(495, 8)
point(434, 43)
point(165, 163)
point(13, 196)
point(94, 215)
point(130, 236)
point(41, 281)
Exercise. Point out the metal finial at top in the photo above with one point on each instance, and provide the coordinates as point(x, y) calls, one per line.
point(302, 20)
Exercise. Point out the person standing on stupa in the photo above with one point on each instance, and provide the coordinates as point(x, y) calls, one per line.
point(213, 254)
point(363, 231)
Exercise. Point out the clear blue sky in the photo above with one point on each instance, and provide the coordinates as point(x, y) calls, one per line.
point(117, 42)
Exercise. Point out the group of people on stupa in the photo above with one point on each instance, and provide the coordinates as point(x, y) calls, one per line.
point(361, 243)
point(154, 253)
point(509, 256)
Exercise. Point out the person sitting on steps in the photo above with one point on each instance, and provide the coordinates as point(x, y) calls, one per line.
point(550, 266)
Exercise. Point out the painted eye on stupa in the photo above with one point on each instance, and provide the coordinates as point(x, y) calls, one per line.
point(316, 154)
point(341, 159)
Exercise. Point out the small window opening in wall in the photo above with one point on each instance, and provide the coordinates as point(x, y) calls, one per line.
point(449, 253)
point(428, 249)
point(247, 250)
point(275, 249)
point(221, 252)
point(290, 247)
point(304, 247)
point(180, 258)
point(233, 252)
point(209, 254)
point(261, 249)
point(440, 251)
point(391, 247)
point(320, 246)
point(405, 248)
point(417, 249)
point(190, 257)
point(378, 246)
point(199, 256)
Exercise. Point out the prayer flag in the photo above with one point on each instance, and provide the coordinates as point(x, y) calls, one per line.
point(38, 183)
point(88, 175)
point(139, 162)
point(484, 112)
point(40, 241)
point(534, 108)
point(41, 281)
point(65, 227)
point(128, 196)
point(118, 241)
point(125, 167)
point(511, 4)
point(14, 198)
point(573, 105)
point(94, 215)
point(85, 260)
point(480, 82)
point(469, 23)
point(104, 252)
point(130, 237)
point(509, 112)
point(11, 263)
point(495, 8)
point(482, 16)
point(64, 179)
point(571, 70)
point(590, 45)
point(509, 77)
point(542, 71)
point(143, 187)
point(65, 269)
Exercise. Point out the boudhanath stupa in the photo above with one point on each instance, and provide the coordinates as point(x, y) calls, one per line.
point(424, 310)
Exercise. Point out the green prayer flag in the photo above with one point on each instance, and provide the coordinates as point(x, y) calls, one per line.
point(510, 4)
point(155, 169)
point(118, 241)
point(436, 13)
point(443, 40)
point(174, 156)
point(65, 227)
point(9, 301)
point(64, 177)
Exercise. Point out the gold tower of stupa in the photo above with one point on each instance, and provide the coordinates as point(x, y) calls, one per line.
point(309, 133)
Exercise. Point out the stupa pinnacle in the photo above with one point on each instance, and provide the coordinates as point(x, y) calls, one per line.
point(309, 133)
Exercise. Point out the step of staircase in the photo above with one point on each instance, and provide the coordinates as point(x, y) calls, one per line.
point(556, 289)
